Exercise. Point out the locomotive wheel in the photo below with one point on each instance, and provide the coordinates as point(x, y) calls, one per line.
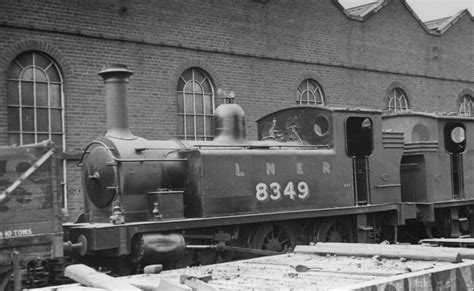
point(274, 237)
point(334, 230)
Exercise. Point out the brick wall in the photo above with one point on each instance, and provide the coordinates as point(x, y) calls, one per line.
point(259, 51)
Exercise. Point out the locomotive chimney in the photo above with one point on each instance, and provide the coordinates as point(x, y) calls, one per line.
point(116, 85)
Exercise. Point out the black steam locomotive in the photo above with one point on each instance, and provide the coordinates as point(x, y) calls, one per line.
point(316, 174)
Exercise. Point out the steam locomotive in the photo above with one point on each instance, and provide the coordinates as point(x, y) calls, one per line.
point(315, 174)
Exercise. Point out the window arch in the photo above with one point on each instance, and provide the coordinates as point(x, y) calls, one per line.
point(35, 100)
point(310, 93)
point(465, 105)
point(195, 92)
point(397, 100)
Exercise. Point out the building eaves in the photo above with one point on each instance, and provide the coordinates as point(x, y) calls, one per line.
point(443, 26)
point(362, 9)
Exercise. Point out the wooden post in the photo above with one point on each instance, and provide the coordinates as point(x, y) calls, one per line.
point(16, 271)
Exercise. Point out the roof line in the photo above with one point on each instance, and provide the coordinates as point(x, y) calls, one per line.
point(437, 31)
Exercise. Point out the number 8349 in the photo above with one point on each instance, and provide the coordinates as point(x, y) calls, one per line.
point(276, 191)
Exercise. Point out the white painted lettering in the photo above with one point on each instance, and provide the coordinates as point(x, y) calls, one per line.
point(238, 172)
point(326, 168)
point(270, 169)
point(299, 168)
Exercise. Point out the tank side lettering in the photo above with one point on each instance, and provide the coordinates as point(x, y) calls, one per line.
point(238, 172)
point(270, 169)
point(299, 169)
point(326, 168)
point(276, 191)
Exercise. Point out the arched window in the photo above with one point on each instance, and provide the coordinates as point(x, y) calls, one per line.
point(397, 100)
point(35, 104)
point(195, 105)
point(465, 105)
point(310, 93)
point(35, 100)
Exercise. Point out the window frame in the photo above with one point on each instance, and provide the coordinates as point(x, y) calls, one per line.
point(18, 79)
point(304, 89)
point(207, 89)
point(466, 102)
point(394, 102)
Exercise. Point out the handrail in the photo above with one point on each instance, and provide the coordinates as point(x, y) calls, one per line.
point(80, 163)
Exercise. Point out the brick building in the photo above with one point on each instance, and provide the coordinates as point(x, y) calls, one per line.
point(270, 53)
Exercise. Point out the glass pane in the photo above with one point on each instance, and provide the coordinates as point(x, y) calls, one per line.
point(55, 92)
point(28, 138)
point(180, 102)
point(42, 118)
point(41, 61)
point(189, 106)
point(28, 119)
point(180, 85)
point(26, 93)
point(188, 88)
point(13, 119)
point(58, 141)
point(200, 125)
point(319, 98)
point(199, 105)
point(27, 74)
point(14, 71)
point(180, 125)
point(198, 76)
point(40, 76)
point(206, 86)
point(25, 59)
point(190, 125)
point(56, 120)
point(41, 94)
point(187, 75)
point(13, 139)
point(209, 130)
point(42, 137)
point(197, 88)
point(12, 93)
point(53, 74)
point(208, 104)
point(306, 97)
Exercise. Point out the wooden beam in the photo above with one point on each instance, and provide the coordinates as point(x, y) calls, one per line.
point(386, 251)
point(91, 278)
point(454, 277)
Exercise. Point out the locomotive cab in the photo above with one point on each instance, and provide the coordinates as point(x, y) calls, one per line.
point(435, 169)
point(436, 151)
point(359, 145)
point(355, 136)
